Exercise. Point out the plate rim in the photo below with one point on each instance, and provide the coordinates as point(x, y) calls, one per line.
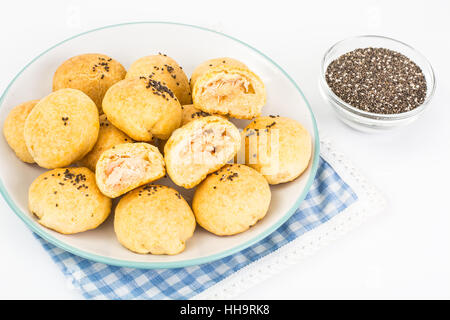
point(174, 264)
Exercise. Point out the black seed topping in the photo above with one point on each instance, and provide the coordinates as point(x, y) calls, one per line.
point(65, 120)
point(200, 114)
point(159, 88)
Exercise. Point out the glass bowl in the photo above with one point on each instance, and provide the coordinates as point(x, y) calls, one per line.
point(368, 121)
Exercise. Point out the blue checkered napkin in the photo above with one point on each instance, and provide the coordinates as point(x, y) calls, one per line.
point(328, 196)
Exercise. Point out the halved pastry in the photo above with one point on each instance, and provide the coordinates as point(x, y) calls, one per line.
point(229, 89)
point(127, 166)
point(200, 147)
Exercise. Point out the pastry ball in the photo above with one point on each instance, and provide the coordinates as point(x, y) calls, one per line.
point(127, 166)
point(166, 70)
point(91, 73)
point(154, 219)
point(231, 200)
point(278, 147)
point(68, 201)
point(200, 147)
point(142, 108)
point(13, 130)
point(228, 89)
point(62, 128)
point(108, 136)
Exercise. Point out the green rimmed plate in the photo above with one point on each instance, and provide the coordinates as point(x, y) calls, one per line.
point(189, 45)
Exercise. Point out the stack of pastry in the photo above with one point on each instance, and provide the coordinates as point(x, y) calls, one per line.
point(106, 133)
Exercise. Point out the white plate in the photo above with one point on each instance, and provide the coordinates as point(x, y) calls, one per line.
point(189, 45)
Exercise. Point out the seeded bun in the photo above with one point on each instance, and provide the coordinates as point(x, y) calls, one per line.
point(108, 136)
point(62, 128)
point(278, 147)
point(91, 73)
point(231, 200)
point(127, 166)
point(200, 147)
point(68, 201)
point(142, 108)
point(13, 130)
point(154, 219)
point(166, 70)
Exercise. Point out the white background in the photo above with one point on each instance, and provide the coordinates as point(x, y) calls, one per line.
point(402, 253)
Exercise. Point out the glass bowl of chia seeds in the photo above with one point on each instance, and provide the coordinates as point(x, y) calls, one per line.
point(376, 83)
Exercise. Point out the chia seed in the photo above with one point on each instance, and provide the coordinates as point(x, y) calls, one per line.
point(377, 80)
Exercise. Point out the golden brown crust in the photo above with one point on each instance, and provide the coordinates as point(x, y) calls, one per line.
point(92, 73)
point(154, 219)
point(231, 200)
point(13, 129)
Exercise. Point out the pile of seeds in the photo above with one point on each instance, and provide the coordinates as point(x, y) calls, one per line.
point(377, 80)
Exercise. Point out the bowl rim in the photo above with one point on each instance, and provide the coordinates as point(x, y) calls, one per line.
point(42, 232)
point(431, 86)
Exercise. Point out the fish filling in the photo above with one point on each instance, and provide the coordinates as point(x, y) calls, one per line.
point(224, 86)
point(123, 171)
